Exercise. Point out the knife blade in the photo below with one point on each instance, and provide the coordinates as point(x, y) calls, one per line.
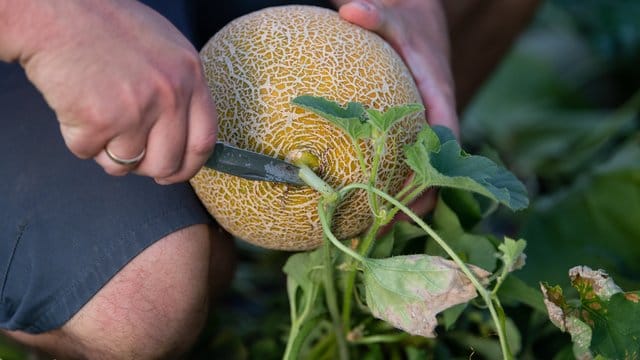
point(252, 165)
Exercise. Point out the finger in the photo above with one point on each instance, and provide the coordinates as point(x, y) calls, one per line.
point(440, 108)
point(83, 142)
point(165, 144)
point(127, 145)
point(200, 138)
point(364, 14)
point(435, 83)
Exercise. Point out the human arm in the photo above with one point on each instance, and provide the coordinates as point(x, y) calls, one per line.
point(118, 76)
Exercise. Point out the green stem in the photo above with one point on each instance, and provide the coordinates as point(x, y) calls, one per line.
point(332, 303)
point(364, 249)
point(300, 325)
point(482, 291)
point(405, 200)
point(500, 280)
point(382, 338)
point(322, 347)
point(404, 191)
point(379, 143)
point(360, 155)
point(347, 296)
point(313, 180)
point(296, 338)
point(325, 216)
point(365, 245)
point(350, 279)
point(413, 194)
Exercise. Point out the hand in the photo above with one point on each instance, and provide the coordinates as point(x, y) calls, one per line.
point(120, 77)
point(417, 30)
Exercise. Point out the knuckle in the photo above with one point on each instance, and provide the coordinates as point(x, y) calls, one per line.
point(191, 60)
point(78, 142)
point(168, 92)
point(93, 117)
point(202, 147)
point(129, 103)
point(109, 114)
point(173, 86)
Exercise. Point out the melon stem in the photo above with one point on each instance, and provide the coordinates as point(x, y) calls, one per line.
point(326, 207)
point(314, 181)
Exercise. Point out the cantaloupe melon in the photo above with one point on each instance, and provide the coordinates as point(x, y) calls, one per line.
point(255, 66)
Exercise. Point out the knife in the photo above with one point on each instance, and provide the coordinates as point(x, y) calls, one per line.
point(252, 165)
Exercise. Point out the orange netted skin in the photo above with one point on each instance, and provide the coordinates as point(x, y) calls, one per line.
point(255, 66)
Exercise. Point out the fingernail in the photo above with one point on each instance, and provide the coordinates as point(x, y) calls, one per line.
point(363, 5)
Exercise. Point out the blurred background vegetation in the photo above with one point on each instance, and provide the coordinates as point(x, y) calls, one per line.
point(561, 112)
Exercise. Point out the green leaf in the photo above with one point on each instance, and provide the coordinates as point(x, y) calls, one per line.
point(593, 221)
point(304, 268)
point(512, 253)
point(419, 153)
point(352, 119)
point(514, 291)
point(385, 119)
point(451, 315)
point(395, 240)
point(487, 347)
point(445, 164)
point(444, 134)
point(472, 248)
point(605, 321)
point(408, 291)
point(303, 281)
point(465, 205)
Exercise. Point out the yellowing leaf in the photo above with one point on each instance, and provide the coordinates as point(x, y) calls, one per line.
point(604, 322)
point(409, 291)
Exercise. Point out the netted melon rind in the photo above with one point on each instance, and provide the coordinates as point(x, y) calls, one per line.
point(255, 66)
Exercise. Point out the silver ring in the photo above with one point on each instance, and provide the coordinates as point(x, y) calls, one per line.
point(121, 161)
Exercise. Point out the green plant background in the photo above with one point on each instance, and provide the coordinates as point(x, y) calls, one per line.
point(562, 113)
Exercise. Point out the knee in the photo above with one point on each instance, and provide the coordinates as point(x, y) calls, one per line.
point(154, 308)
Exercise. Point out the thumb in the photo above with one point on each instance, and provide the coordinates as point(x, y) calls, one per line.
point(364, 14)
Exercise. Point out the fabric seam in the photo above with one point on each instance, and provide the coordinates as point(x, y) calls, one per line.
point(21, 229)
